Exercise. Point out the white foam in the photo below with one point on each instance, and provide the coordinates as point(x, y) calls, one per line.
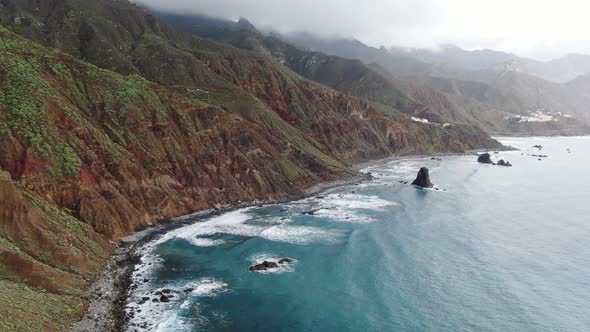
point(204, 242)
point(162, 316)
point(207, 287)
point(350, 207)
point(357, 202)
point(301, 234)
point(227, 223)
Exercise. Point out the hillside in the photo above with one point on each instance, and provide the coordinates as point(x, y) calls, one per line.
point(89, 155)
point(490, 99)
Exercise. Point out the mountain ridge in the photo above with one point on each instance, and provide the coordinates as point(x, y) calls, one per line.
point(142, 123)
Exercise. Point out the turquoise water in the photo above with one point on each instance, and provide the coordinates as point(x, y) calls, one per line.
point(496, 249)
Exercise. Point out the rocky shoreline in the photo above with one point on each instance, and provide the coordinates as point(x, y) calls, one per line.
point(108, 293)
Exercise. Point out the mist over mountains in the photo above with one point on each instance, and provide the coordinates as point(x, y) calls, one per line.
point(495, 90)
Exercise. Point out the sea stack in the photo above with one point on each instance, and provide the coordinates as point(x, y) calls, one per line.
point(485, 158)
point(423, 179)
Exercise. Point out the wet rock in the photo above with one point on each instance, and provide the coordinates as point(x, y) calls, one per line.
point(311, 212)
point(485, 158)
point(504, 163)
point(164, 298)
point(423, 179)
point(538, 146)
point(188, 290)
point(286, 261)
point(266, 265)
point(166, 291)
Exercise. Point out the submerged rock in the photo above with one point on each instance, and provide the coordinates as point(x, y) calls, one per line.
point(504, 163)
point(423, 179)
point(538, 146)
point(485, 158)
point(266, 265)
point(164, 298)
point(286, 260)
point(311, 212)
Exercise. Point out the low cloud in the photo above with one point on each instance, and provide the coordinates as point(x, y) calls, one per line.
point(540, 29)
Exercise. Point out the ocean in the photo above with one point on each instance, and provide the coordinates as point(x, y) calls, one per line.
point(493, 249)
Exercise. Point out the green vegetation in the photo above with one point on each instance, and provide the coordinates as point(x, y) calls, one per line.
point(23, 308)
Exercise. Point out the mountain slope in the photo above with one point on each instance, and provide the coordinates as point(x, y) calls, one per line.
point(370, 82)
point(88, 155)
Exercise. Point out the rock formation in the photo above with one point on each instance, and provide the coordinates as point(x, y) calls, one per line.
point(485, 158)
point(423, 179)
point(266, 265)
point(504, 163)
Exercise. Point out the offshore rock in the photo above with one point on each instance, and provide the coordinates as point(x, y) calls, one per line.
point(504, 163)
point(266, 265)
point(485, 159)
point(423, 179)
point(286, 261)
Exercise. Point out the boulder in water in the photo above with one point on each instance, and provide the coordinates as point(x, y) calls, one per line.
point(485, 158)
point(504, 163)
point(266, 265)
point(286, 261)
point(423, 179)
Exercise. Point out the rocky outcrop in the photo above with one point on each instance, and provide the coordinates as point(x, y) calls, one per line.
point(266, 265)
point(423, 179)
point(501, 162)
point(485, 158)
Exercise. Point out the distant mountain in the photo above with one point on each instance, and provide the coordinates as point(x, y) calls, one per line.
point(350, 48)
point(562, 69)
point(494, 85)
point(454, 56)
point(420, 61)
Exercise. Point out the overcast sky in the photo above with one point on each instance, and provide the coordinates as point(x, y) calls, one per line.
point(540, 29)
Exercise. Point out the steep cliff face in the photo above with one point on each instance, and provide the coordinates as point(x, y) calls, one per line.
point(88, 156)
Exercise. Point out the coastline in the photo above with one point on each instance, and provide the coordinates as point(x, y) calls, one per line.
point(108, 292)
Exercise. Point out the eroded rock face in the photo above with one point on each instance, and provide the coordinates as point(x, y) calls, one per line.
point(485, 158)
point(423, 179)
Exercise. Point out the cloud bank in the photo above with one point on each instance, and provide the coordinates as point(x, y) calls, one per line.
point(541, 29)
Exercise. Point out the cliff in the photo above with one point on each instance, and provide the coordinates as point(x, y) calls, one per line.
point(88, 155)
